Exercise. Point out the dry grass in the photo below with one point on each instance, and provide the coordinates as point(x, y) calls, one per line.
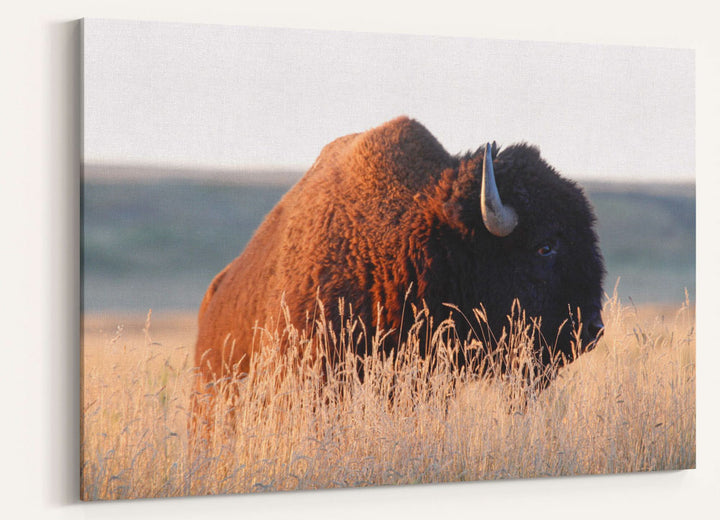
point(629, 405)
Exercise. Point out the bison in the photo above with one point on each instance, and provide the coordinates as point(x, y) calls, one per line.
point(387, 216)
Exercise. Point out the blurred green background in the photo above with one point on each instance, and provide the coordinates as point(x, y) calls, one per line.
point(157, 244)
point(647, 235)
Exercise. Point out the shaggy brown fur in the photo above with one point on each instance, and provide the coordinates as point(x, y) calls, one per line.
point(387, 208)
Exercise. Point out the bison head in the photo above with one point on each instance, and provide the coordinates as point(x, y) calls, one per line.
point(546, 251)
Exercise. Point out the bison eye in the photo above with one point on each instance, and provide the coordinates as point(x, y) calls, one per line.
point(546, 249)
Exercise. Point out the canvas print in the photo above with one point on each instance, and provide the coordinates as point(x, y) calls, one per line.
point(327, 259)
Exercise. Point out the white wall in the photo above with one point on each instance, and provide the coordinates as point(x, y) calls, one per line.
point(39, 116)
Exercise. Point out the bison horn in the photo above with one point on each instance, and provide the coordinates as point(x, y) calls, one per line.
point(499, 220)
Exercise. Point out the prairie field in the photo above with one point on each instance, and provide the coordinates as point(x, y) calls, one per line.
point(292, 423)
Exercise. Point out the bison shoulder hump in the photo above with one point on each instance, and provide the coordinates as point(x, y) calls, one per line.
point(401, 153)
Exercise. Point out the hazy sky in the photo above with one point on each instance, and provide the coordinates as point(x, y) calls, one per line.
point(238, 97)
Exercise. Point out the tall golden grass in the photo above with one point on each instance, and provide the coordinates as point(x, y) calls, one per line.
point(294, 423)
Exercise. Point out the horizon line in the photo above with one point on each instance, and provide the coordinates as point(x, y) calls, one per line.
point(97, 170)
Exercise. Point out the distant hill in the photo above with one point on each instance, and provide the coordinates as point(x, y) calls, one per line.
point(647, 234)
point(113, 173)
point(157, 238)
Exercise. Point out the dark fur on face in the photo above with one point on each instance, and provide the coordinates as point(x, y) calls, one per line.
point(389, 209)
point(550, 263)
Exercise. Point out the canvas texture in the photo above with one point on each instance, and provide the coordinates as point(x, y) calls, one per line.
point(320, 260)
